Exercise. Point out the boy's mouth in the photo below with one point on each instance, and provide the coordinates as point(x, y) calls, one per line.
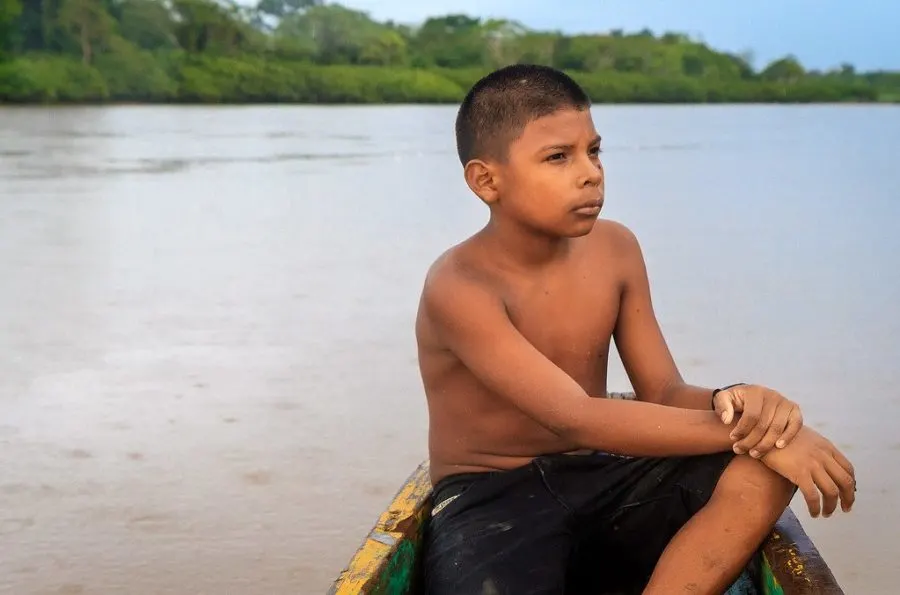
point(591, 207)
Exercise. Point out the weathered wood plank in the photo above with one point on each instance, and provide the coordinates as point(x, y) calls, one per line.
point(795, 563)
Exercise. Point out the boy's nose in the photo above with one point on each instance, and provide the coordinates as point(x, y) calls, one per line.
point(593, 175)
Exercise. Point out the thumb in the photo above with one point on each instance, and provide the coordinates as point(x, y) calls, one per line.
point(725, 407)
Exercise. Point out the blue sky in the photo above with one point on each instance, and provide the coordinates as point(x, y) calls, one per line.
point(820, 33)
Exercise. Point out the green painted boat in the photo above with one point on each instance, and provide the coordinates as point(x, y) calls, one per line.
point(387, 562)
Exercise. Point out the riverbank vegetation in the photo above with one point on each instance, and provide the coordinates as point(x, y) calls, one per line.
point(306, 51)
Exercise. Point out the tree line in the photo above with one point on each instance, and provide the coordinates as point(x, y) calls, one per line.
point(312, 52)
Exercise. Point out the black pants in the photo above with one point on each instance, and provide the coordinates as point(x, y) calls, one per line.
point(594, 523)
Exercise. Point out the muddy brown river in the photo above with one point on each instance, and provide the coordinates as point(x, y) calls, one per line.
point(208, 377)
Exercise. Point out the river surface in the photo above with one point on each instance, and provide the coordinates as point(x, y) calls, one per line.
point(208, 378)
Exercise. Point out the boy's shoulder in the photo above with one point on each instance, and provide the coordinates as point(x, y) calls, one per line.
point(458, 293)
point(613, 235)
point(459, 266)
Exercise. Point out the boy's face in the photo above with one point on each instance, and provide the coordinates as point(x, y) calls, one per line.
point(552, 180)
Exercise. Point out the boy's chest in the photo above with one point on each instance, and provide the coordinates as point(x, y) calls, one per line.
point(570, 320)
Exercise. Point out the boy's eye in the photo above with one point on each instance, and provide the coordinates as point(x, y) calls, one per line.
point(556, 157)
point(596, 150)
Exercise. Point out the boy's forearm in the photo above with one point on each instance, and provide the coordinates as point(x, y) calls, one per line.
point(687, 396)
point(636, 428)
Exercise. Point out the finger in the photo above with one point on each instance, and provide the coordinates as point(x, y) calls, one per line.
point(811, 495)
point(845, 483)
point(844, 462)
point(762, 426)
point(775, 432)
point(794, 425)
point(752, 411)
point(829, 489)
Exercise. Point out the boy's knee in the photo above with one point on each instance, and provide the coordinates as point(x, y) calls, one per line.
point(751, 484)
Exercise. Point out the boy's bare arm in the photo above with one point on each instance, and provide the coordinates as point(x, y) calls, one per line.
point(473, 323)
point(768, 418)
point(639, 339)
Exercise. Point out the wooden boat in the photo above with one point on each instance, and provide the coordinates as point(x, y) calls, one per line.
point(387, 562)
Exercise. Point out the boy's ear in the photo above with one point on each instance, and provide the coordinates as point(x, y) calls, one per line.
point(482, 180)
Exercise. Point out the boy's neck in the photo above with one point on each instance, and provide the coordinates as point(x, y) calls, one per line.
point(521, 247)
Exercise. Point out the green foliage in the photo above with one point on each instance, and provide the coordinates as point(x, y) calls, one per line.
point(88, 23)
point(283, 8)
point(10, 13)
point(786, 69)
point(147, 25)
point(206, 26)
point(132, 74)
point(317, 52)
point(333, 34)
point(887, 83)
point(50, 79)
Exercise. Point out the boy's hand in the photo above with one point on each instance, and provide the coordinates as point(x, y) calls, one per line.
point(814, 465)
point(767, 418)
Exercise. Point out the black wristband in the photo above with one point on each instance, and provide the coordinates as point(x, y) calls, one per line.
point(712, 400)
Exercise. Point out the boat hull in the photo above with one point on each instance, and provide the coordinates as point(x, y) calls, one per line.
point(388, 561)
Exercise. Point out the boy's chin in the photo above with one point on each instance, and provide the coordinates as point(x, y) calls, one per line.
point(583, 231)
point(582, 227)
point(576, 231)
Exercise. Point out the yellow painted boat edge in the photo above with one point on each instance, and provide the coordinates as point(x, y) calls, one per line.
point(396, 523)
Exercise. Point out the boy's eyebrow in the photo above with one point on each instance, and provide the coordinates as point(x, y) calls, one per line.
point(596, 141)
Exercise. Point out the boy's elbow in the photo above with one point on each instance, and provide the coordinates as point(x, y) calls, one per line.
point(593, 426)
point(565, 427)
point(573, 434)
point(576, 430)
point(588, 438)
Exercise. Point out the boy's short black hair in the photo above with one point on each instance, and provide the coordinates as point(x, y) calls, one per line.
point(497, 108)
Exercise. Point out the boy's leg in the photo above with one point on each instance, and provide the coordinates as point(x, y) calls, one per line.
point(708, 553)
point(667, 525)
point(498, 534)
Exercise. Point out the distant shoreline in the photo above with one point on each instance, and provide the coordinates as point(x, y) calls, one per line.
point(251, 80)
point(311, 52)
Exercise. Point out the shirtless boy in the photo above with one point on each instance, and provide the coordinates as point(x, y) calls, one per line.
point(541, 485)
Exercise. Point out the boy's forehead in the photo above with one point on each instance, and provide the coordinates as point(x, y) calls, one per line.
point(568, 125)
